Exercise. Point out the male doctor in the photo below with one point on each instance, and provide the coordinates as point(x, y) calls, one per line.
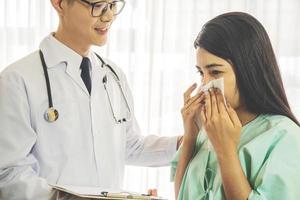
point(64, 118)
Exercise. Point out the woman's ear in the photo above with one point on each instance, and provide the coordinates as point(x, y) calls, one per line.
point(57, 4)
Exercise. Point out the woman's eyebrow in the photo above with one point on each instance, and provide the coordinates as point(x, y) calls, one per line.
point(213, 65)
point(210, 66)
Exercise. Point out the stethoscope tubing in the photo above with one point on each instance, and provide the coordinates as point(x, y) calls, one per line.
point(46, 79)
point(52, 114)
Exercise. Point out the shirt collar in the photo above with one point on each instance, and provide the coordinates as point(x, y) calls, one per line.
point(55, 52)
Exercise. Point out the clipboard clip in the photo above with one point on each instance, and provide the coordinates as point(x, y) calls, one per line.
point(104, 193)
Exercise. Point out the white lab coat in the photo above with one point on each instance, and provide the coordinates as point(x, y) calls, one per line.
point(84, 146)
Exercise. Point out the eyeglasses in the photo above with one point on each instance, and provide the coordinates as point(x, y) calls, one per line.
point(100, 7)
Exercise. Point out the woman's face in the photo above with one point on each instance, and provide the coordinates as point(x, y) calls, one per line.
point(212, 67)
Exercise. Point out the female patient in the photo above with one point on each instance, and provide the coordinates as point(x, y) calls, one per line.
point(249, 146)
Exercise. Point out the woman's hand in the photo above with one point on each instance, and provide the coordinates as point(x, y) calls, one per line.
point(221, 123)
point(223, 129)
point(191, 111)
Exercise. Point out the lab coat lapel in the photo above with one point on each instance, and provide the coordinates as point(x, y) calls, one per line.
point(56, 52)
point(74, 73)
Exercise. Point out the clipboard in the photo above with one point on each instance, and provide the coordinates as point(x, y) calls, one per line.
point(102, 193)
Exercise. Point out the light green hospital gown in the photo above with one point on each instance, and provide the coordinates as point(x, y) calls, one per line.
point(269, 153)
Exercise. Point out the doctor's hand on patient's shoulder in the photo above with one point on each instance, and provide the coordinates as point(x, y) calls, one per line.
point(191, 112)
point(220, 123)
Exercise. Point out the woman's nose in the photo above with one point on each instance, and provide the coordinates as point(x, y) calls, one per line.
point(206, 79)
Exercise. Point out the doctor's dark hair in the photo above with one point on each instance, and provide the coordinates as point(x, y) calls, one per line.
point(241, 39)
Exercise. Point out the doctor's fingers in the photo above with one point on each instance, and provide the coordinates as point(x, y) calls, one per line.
point(188, 92)
point(152, 192)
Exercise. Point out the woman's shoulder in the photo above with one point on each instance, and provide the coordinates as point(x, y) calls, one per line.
point(280, 124)
point(268, 132)
point(283, 127)
point(269, 158)
point(270, 126)
point(277, 119)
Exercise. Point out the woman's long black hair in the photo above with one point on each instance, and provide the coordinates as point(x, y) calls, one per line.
point(242, 40)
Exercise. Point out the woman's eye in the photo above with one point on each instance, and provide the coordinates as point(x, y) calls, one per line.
point(215, 72)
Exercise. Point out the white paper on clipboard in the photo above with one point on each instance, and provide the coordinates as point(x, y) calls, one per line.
point(102, 193)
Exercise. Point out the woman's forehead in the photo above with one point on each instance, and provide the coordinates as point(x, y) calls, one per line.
point(209, 60)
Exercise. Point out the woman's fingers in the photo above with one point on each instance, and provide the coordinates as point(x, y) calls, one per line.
point(202, 114)
point(198, 97)
point(220, 101)
point(196, 105)
point(214, 105)
point(233, 116)
point(192, 107)
point(188, 92)
point(208, 105)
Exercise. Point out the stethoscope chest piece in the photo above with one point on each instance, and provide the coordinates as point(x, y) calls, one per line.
point(51, 115)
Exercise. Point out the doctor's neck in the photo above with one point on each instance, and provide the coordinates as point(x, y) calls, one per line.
point(72, 41)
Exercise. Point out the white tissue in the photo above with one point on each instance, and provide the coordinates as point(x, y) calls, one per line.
point(217, 83)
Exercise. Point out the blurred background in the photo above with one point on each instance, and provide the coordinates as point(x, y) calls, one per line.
point(152, 41)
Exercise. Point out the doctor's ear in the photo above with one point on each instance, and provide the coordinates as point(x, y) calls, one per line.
point(59, 6)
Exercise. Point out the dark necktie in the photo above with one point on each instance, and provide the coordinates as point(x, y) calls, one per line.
point(85, 73)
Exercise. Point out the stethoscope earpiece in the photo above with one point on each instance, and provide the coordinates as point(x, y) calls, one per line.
point(51, 115)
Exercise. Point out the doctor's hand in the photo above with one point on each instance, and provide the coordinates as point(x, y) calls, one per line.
point(152, 192)
point(221, 123)
point(191, 112)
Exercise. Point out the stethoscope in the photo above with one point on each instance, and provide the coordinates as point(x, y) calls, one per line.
point(52, 114)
